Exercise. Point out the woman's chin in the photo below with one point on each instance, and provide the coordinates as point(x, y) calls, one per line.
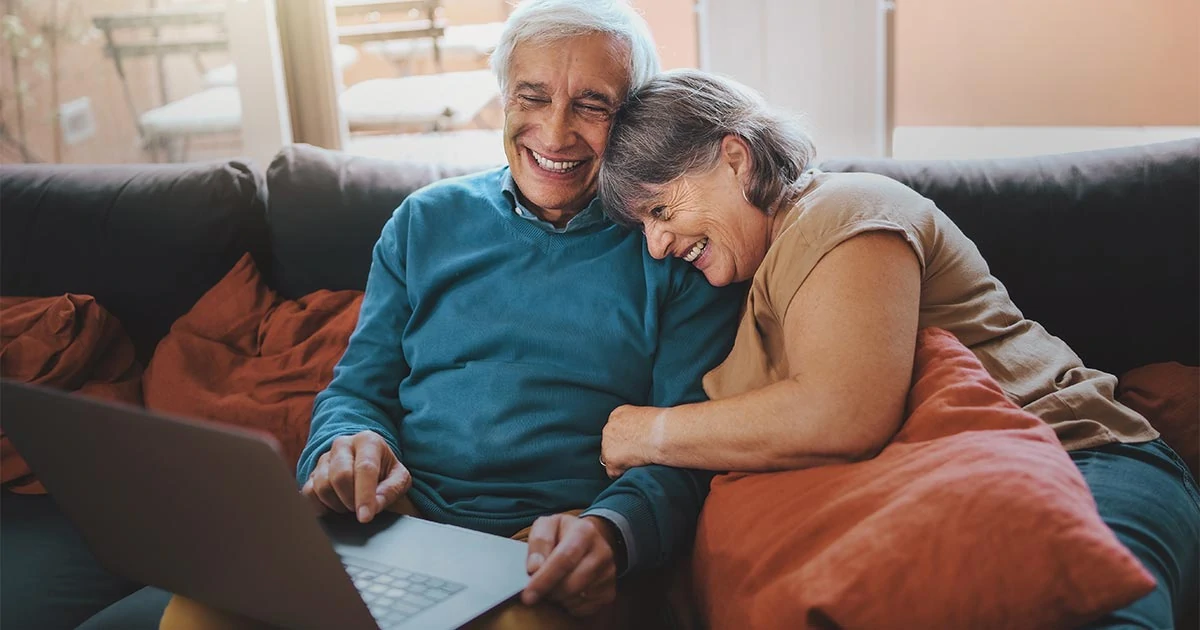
point(716, 278)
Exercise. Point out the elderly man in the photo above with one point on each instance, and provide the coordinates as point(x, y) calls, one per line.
point(505, 318)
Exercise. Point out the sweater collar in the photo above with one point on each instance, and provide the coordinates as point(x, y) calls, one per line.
point(590, 216)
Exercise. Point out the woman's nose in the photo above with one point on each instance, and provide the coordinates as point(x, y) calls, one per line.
point(658, 241)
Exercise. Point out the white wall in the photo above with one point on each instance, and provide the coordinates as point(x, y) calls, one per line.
point(822, 58)
point(949, 142)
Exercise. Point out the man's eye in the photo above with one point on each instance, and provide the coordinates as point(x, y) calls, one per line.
point(531, 99)
point(594, 111)
point(658, 212)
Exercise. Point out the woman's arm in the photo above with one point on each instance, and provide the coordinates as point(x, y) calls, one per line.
point(850, 335)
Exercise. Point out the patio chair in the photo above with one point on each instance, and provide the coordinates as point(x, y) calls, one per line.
point(431, 102)
point(169, 125)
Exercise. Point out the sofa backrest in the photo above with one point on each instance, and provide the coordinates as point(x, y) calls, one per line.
point(146, 240)
point(1099, 247)
point(327, 209)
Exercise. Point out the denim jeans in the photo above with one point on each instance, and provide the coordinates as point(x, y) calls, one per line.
point(1149, 499)
point(49, 578)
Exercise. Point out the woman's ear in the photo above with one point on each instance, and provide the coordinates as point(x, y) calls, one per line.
point(736, 153)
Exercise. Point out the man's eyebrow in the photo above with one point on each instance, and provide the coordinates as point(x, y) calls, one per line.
point(531, 86)
point(594, 95)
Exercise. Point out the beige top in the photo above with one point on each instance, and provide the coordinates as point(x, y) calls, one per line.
point(1036, 370)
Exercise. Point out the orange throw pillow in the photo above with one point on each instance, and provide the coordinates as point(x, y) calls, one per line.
point(1168, 394)
point(68, 342)
point(973, 517)
point(247, 357)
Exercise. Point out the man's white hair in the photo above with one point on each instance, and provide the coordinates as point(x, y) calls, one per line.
point(541, 21)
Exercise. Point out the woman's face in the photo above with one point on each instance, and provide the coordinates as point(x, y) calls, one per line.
point(705, 219)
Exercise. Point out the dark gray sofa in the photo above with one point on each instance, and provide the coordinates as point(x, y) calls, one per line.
point(1100, 247)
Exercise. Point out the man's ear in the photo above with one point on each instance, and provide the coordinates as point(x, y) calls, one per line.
point(736, 154)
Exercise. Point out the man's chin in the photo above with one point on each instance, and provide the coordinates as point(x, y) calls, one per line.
point(571, 201)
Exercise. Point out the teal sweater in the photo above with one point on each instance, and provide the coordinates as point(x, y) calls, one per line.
point(489, 353)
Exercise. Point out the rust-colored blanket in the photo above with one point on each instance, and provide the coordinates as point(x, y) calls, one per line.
point(69, 342)
point(245, 356)
point(1168, 394)
point(972, 517)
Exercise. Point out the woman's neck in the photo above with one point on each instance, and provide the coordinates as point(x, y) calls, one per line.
point(779, 220)
point(788, 206)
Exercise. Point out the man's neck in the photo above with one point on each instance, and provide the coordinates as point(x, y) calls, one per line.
point(557, 218)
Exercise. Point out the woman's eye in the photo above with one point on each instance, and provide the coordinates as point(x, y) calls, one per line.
point(658, 212)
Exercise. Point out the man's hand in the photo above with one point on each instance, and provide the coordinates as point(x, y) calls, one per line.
point(360, 474)
point(571, 561)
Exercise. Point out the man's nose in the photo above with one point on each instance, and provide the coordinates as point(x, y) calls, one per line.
point(558, 128)
point(659, 241)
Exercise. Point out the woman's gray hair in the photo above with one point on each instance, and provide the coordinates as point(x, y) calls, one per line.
point(674, 127)
point(541, 21)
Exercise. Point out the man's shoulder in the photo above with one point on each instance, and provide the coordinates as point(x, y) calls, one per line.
point(483, 186)
point(682, 278)
point(670, 267)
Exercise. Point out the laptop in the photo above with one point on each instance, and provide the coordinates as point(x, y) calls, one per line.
point(213, 513)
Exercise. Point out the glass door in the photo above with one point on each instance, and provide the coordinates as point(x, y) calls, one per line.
point(131, 81)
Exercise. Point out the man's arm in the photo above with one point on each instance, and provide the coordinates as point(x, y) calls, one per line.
point(655, 508)
point(363, 395)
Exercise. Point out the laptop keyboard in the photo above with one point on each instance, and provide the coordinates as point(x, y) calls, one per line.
point(394, 595)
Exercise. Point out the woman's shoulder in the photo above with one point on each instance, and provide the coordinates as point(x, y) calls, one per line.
point(834, 208)
point(835, 203)
point(866, 195)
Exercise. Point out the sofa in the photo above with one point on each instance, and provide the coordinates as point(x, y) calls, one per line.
point(1100, 247)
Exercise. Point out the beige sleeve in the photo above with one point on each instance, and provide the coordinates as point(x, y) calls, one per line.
point(845, 206)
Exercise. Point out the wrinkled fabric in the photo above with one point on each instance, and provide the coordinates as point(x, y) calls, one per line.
point(245, 356)
point(972, 517)
point(68, 342)
point(1168, 394)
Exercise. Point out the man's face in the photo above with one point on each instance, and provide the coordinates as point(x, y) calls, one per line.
point(558, 106)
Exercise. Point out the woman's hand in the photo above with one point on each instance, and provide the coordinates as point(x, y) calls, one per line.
point(629, 438)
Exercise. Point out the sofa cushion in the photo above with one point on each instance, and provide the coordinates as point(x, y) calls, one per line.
point(1168, 394)
point(1099, 247)
point(146, 240)
point(972, 517)
point(245, 356)
point(327, 209)
point(68, 342)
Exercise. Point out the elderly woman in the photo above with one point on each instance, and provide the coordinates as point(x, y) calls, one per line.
point(844, 269)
